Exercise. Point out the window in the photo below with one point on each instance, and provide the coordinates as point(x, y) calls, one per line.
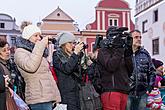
point(110, 22)
point(113, 22)
point(144, 23)
point(13, 40)
point(155, 15)
point(2, 25)
point(155, 46)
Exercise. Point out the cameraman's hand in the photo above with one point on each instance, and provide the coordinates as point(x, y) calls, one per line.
point(78, 48)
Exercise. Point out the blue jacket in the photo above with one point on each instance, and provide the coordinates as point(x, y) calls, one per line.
point(144, 72)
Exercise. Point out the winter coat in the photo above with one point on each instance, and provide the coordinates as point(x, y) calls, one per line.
point(40, 85)
point(66, 67)
point(2, 91)
point(144, 73)
point(114, 69)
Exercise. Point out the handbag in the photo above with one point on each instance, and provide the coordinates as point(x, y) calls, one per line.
point(10, 102)
point(89, 98)
point(20, 103)
point(60, 107)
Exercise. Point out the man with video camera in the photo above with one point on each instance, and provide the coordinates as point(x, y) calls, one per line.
point(115, 66)
point(143, 76)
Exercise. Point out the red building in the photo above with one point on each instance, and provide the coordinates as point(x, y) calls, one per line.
point(108, 13)
point(111, 13)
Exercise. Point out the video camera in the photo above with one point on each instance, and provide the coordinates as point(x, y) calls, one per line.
point(116, 37)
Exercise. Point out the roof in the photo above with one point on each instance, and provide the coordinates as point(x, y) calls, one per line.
point(6, 17)
point(10, 31)
point(58, 15)
point(113, 4)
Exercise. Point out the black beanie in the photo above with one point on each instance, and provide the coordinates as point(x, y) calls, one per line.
point(157, 63)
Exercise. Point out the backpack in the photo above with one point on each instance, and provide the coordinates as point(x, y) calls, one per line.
point(96, 78)
point(89, 98)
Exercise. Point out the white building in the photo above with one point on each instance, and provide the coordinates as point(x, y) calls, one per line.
point(9, 30)
point(150, 20)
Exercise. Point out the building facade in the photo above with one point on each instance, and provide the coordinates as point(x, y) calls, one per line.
point(109, 13)
point(9, 30)
point(150, 20)
point(58, 21)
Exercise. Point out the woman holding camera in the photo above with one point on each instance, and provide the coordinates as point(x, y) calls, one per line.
point(30, 56)
point(65, 62)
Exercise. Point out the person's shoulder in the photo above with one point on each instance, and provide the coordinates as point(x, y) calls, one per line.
point(143, 50)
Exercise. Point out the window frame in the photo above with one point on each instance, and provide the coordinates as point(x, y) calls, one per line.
point(144, 23)
point(113, 21)
point(2, 25)
point(155, 46)
point(155, 16)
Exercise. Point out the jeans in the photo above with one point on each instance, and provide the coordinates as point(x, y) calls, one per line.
point(41, 106)
point(137, 103)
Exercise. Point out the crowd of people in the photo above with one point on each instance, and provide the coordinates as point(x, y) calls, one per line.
point(125, 76)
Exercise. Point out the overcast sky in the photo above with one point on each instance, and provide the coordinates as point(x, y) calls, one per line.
point(82, 11)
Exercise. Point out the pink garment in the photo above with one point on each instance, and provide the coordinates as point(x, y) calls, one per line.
point(157, 80)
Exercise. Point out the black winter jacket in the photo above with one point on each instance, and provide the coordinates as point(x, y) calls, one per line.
point(144, 72)
point(2, 92)
point(115, 70)
point(66, 67)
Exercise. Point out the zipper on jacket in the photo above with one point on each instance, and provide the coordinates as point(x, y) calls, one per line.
point(136, 74)
point(113, 81)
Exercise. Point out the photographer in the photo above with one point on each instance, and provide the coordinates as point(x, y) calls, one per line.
point(115, 66)
point(30, 57)
point(66, 63)
point(143, 75)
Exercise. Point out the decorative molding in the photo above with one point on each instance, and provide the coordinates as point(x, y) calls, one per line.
point(124, 17)
point(98, 20)
point(103, 20)
point(114, 15)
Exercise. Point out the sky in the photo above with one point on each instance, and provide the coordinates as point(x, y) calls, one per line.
point(81, 11)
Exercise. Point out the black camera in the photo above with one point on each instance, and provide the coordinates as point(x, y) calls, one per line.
point(85, 46)
point(97, 42)
point(116, 37)
point(53, 40)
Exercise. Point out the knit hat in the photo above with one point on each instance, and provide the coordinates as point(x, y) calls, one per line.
point(157, 63)
point(29, 30)
point(65, 37)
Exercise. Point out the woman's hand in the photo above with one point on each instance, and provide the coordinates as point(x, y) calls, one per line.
point(46, 39)
point(7, 79)
point(78, 48)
